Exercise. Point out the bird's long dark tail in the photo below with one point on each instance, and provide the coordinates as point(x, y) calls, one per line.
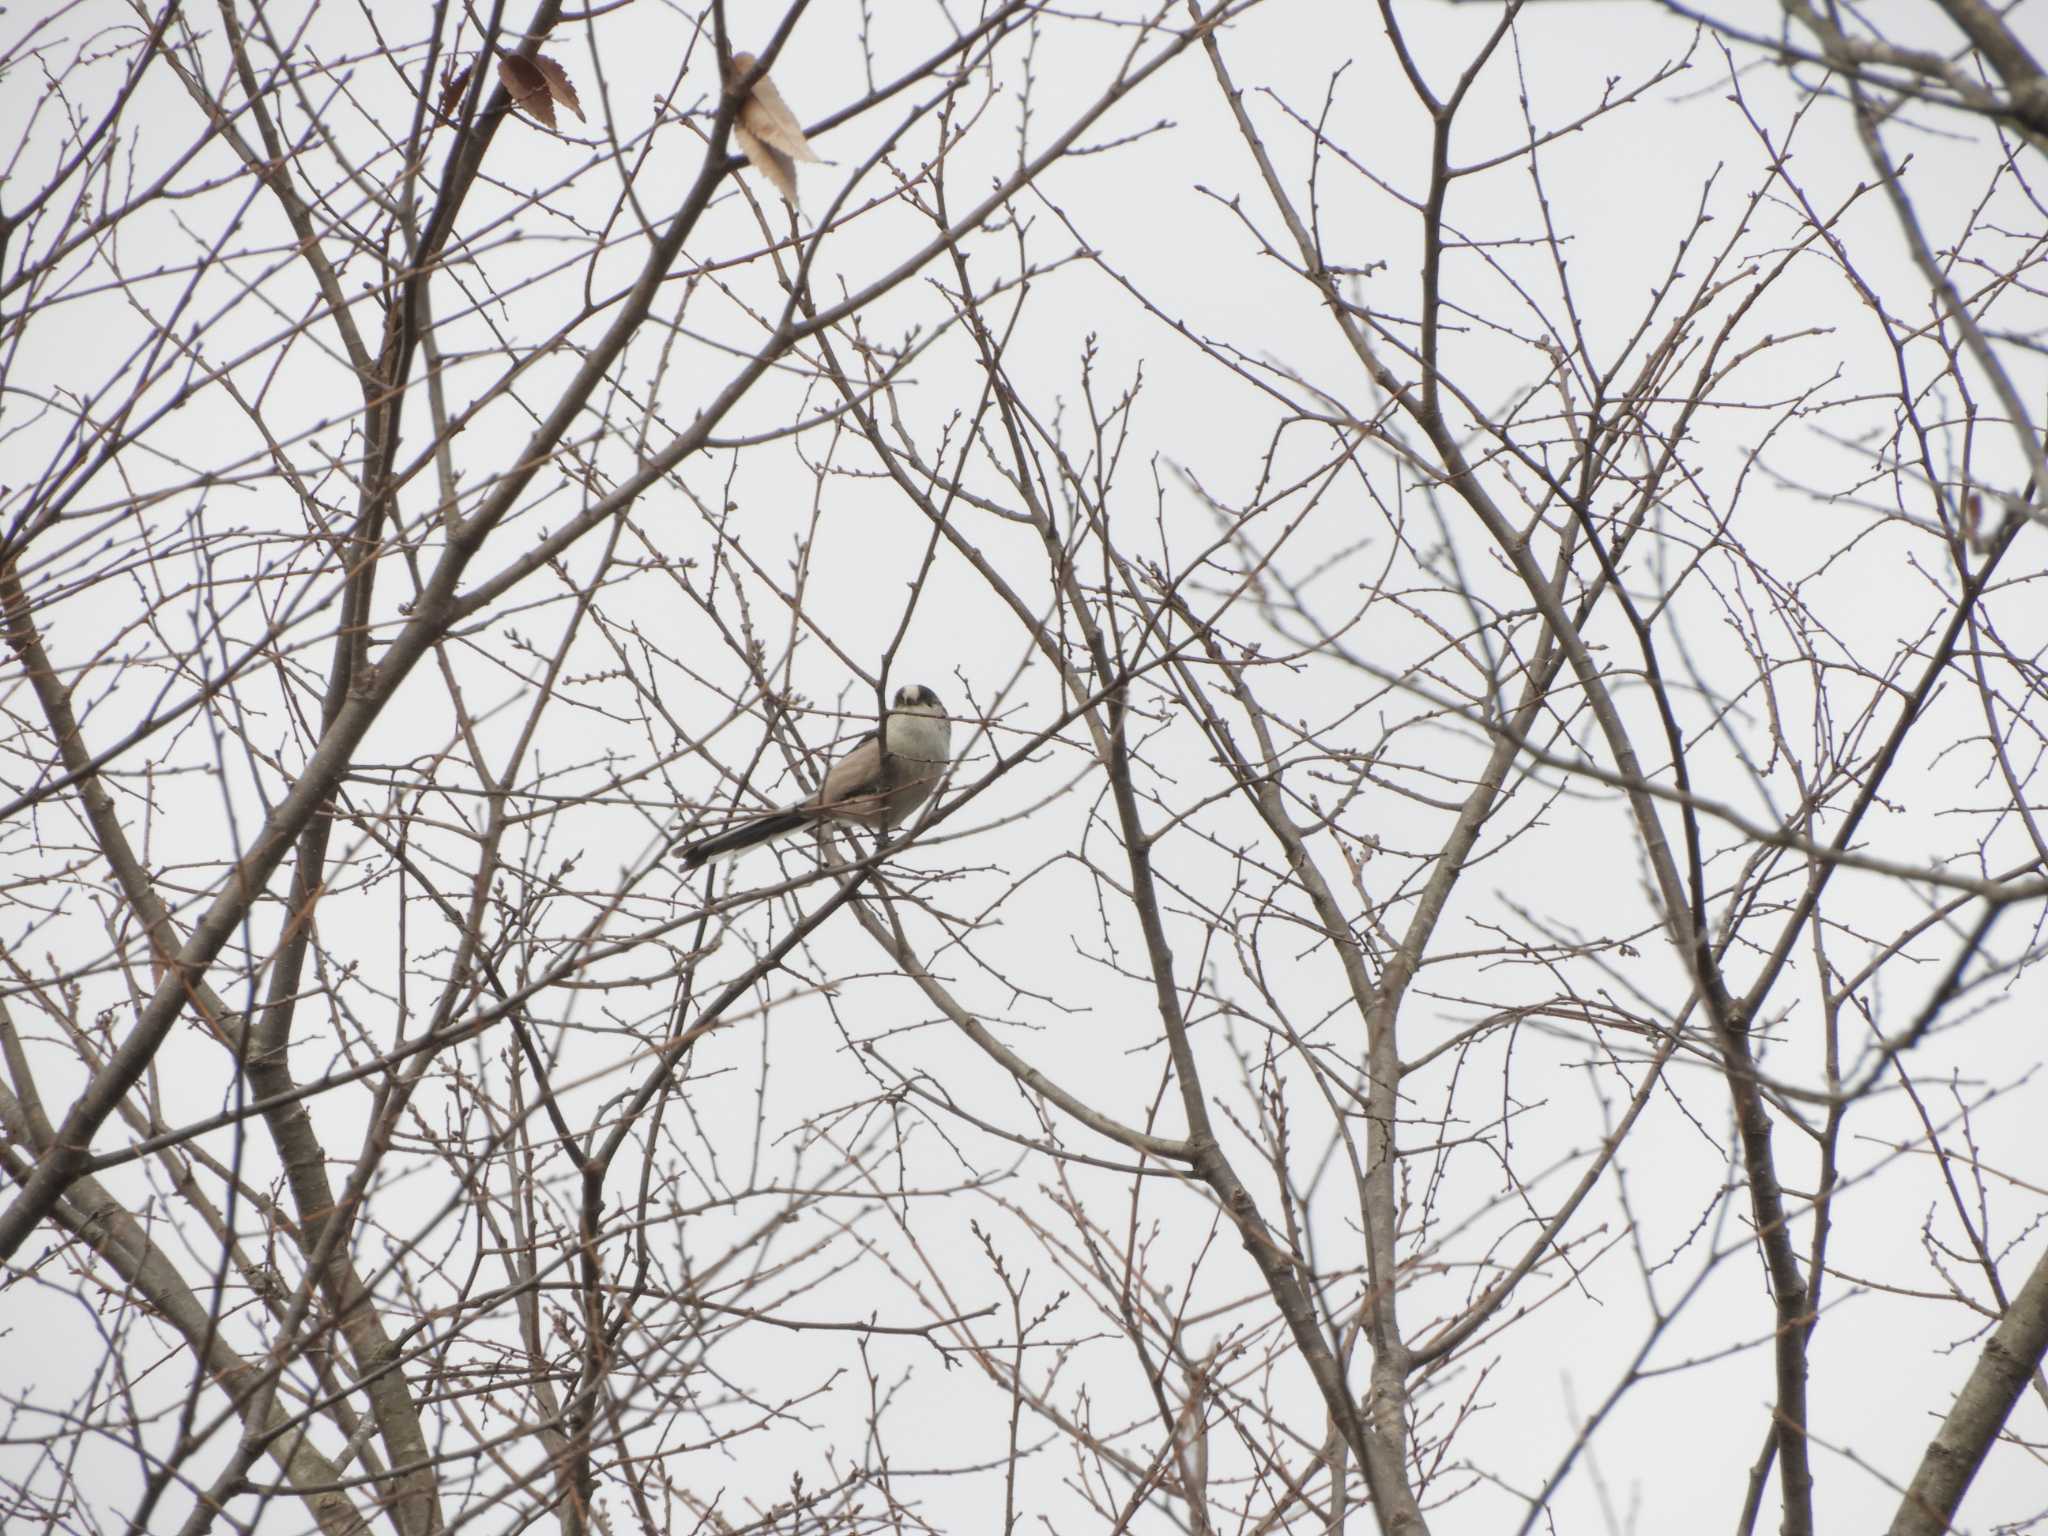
point(746, 835)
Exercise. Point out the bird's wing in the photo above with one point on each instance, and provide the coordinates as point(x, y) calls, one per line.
point(857, 776)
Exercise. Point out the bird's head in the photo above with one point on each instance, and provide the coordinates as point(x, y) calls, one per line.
point(920, 698)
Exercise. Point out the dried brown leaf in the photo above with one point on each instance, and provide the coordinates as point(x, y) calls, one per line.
point(1973, 522)
point(453, 84)
point(558, 84)
point(529, 87)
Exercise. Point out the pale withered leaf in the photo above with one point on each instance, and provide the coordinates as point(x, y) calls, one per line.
point(767, 131)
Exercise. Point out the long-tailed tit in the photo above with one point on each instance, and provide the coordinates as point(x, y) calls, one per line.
point(886, 776)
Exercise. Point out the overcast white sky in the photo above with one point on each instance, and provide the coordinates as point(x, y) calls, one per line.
point(1176, 214)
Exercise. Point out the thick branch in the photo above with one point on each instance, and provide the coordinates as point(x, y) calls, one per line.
point(2012, 1354)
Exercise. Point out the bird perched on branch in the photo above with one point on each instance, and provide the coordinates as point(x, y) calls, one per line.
point(766, 130)
point(888, 774)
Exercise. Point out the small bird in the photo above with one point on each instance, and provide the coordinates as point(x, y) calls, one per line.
point(886, 776)
point(766, 130)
